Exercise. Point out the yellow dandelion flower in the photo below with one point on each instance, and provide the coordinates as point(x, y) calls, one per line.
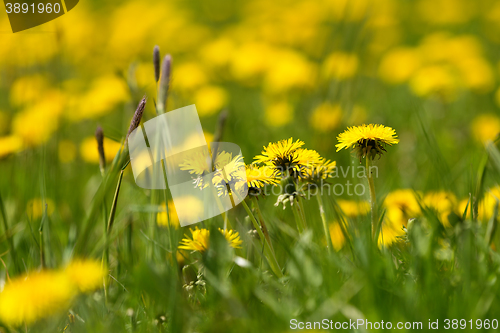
point(198, 242)
point(90, 154)
point(279, 114)
point(340, 66)
point(199, 163)
point(10, 144)
point(258, 176)
point(443, 203)
point(404, 200)
point(200, 239)
point(35, 208)
point(485, 127)
point(170, 219)
point(389, 233)
point(326, 117)
point(337, 236)
point(233, 237)
point(352, 208)
point(86, 275)
point(210, 99)
point(287, 155)
point(367, 140)
point(314, 173)
point(37, 295)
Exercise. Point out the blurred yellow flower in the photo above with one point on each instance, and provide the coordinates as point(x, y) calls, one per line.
point(104, 95)
point(340, 66)
point(86, 275)
point(476, 73)
point(162, 218)
point(435, 79)
point(217, 52)
point(210, 99)
point(352, 208)
point(485, 127)
point(289, 70)
point(401, 205)
point(389, 233)
point(338, 238)
point(444, 12)
point(89, 153)
point(66, 151)
point(443, 203)
point(188, 76)
point(279, 114)
point(184, 208)
point(38, 295)
point(36, 207)
point(326, 117)
point(250, 60)
point(10, 144)
point(398, 65)
point(37, 122)
point(28, 89)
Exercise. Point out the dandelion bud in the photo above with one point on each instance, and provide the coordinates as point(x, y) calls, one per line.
point(156, 62)
point(99, 136)
point(164, 83)
point(136, 120)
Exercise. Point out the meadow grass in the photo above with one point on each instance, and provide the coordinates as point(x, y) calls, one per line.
point(84, 249)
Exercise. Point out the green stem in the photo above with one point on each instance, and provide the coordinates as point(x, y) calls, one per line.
point(262, 223)
point(298, 218)
point(267, 248)
point(373, 201)
point(8, 236)
point(329, 243)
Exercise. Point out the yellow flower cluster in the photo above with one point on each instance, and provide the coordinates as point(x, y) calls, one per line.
point(37, 295)
point(200, 239)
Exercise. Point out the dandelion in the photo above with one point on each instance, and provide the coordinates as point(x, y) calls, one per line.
point(200, 239)
point(318, 172)
point(259, 176)
point(337, 236)
point(352, 208)
point(368, 141)
point(443, 203)
point(199, 163)
point(86, 275)
point(287, 156)
point(35, 296)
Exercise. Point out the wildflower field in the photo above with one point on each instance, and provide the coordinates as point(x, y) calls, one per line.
point(368, 181)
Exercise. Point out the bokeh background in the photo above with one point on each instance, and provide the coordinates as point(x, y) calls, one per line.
point(282, 69)
point(429, 69)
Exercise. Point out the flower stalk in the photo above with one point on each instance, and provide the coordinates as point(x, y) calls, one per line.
point(329, 243)
point(373, 200)
point(271, 259)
